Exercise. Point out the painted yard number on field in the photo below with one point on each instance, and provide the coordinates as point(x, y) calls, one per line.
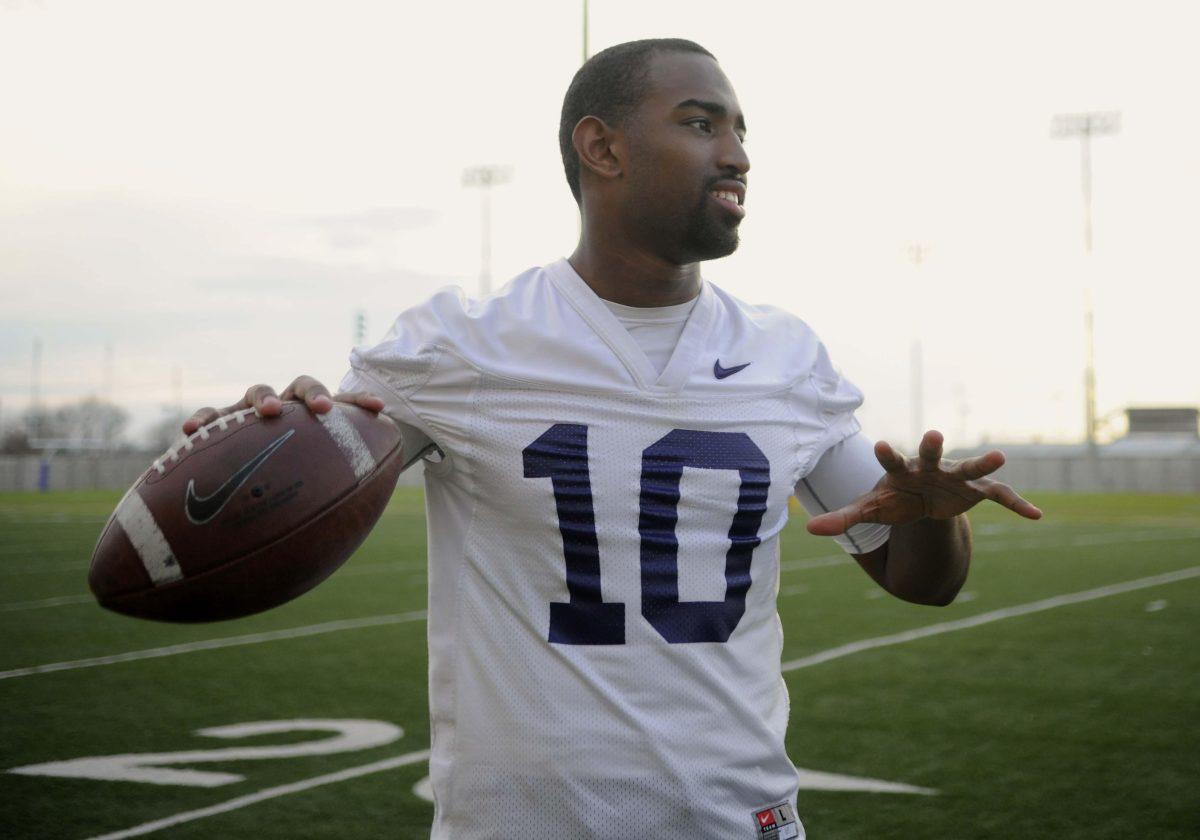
point(349, 736)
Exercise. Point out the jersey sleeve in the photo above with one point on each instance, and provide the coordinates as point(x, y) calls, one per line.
point(413, 371)
point(844, 472)
point(842, 464)
point(837, 400)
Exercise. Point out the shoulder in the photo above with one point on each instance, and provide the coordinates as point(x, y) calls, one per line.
point(506, 333)
point(450, 319)
point(769, 333)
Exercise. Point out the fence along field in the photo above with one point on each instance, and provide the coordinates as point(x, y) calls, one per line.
point(1056, 698)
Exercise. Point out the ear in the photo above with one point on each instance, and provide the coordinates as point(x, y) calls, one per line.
point(598, 147)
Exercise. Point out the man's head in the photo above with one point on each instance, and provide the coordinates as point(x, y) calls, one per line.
point(651, 132)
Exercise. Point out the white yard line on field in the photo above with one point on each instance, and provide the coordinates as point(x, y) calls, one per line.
point(37, 568)
point(815, 562)
point(214, 644)
point(9, 549)
point(993, 546)
point(418, 615)
point(268, 793)
point(988, 617)
point(377, 568)
point(1094, 538)
point(57, 601)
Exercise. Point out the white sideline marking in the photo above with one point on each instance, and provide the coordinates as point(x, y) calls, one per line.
point(214, 644)
point(267, 793)
point(58, 601)
point(988, 617)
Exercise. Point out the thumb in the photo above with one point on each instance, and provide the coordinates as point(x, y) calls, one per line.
point(835, 522)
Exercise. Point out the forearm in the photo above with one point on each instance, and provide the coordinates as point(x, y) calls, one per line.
point(927, 560)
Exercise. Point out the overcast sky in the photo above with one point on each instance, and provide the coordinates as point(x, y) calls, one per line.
point(218, 187)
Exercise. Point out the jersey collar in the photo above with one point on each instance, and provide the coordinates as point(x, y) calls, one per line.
point(613, 333)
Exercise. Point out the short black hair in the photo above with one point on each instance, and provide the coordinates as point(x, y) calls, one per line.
point(610, 85)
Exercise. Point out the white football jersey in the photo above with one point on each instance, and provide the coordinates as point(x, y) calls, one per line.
point(603, 557)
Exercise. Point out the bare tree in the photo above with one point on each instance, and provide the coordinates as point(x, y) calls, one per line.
point(90, 423)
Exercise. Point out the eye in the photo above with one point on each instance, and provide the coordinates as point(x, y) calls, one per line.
point(702, 123)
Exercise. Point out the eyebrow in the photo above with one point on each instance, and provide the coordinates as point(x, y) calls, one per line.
point(714, 108)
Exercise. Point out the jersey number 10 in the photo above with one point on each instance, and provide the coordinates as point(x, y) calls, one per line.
point(561, 454)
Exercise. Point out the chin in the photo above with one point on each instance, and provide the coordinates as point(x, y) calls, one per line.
point(711, 247)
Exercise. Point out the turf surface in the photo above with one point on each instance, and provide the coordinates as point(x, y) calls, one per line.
point(1077, 721)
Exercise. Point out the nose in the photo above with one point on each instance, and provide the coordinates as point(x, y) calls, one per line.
point(733, 154)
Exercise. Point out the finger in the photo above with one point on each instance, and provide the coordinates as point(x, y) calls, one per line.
point(263, 399)
point(930, 450)
point(1005, 495)
point(836, 521)
point(889, 458)
point(208, 414)
point(361, 399)
point(315, 395)
point(970, 469)
point(200, 417)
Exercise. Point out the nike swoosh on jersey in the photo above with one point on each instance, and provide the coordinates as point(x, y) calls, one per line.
point(722, 372)
point(201, 509)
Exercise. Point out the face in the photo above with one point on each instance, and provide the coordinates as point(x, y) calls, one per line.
point(686, 175)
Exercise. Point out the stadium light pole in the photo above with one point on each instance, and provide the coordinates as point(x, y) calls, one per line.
point(35, 392)
point(585, 31)
point(486, 177)
point(1084, 126)
point(917, 252)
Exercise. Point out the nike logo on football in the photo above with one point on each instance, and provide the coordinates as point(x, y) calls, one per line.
point(201, 509)
point(722, 372)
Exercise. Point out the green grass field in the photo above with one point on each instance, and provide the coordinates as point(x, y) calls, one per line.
point(1070, 718)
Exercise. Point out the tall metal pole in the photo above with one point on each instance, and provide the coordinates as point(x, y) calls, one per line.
point(585, 31)
point(1084, 126)
point(917, 253)
point(35, 392)
point(486, 177)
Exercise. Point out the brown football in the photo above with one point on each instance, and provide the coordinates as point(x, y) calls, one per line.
point(247, 513)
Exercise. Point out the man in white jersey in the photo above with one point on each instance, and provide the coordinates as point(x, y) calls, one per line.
point(618, 440)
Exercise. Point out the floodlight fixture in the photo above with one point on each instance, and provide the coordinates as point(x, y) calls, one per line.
point(486, 176)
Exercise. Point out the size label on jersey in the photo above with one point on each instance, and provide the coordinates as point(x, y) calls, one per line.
point(776, 823)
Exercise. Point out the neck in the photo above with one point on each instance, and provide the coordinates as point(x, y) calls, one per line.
point(619, 271)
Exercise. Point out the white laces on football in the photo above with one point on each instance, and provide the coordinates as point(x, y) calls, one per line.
point(202, 433)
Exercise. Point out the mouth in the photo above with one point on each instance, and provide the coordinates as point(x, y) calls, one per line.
point(730, 195)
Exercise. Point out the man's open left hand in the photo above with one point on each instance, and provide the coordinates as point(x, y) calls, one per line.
point(925, 486)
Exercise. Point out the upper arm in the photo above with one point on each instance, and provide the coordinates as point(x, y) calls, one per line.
point(845, 471)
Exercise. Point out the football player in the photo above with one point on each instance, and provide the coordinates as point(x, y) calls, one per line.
point(616, 443)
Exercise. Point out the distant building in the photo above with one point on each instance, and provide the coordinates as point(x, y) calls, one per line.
point(1160, 453)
